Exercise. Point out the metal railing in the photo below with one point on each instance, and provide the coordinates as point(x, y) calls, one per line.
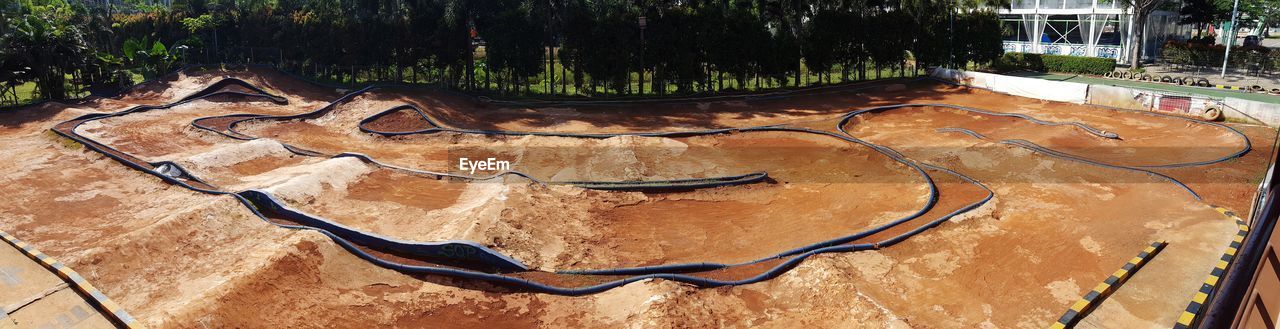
point(1073, 49)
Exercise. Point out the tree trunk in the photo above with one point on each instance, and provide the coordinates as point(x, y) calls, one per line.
point(798, 73)
point(1135, 44)
point(640, 82)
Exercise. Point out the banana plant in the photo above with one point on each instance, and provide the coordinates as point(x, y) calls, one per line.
point(147, 57)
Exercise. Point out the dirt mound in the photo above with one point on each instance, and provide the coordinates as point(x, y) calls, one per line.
point(236, 153)
point(621, 158)
point(303, 184)
point(177, 258)
point(404, 120)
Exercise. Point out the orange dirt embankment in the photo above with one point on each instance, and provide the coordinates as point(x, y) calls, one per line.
point(1063, 223)
point(813, 180)
point(176, 258)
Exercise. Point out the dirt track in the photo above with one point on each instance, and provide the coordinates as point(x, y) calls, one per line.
point(1055, 228)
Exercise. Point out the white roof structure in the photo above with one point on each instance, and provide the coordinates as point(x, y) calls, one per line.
point(1096, 28)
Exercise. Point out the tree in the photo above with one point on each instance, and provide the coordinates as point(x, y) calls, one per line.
point(44, 43)
point(744, 34)
point(823, 41)
point(787, 17)
point(1141, 11)
point(1263, 12)
point(697, 46)
point(1201, 13)
point(514, 37)
point(973, 31)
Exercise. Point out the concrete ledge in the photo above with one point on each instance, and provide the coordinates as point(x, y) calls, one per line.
point(90, 294)
point(1082, 307)
point(1191, 315)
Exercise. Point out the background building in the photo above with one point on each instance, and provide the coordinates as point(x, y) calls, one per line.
point(1098, 28)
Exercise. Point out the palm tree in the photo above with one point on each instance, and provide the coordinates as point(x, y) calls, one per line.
point(43, 42)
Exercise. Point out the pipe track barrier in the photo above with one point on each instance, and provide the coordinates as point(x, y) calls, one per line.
point(365, 245)
point(1090, 301)
point(1091, 130)
point(1191, 316)
point(460, 251)
point(672, 184)
point(175, 175)
point(676, 184)
point(1246, 146)
point(112, 311)
point(721, 181)
point(1044, 150)
point(258, 200)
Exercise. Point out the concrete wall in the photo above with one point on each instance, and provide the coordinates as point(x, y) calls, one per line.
point(1119, 97)
point(1234, 109)
point(1252, 111)
point(1059, 91)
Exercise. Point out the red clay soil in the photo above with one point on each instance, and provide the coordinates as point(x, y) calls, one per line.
point(1107, 210)
point(1227, 184)
point(390, 186)
point(388, 203)
point(730, 225)
point(176, 258)
point(812, 173)
point(219, 124)
point(263, 164)
point(1136, 147)
point(957, 192)
point(404, 120)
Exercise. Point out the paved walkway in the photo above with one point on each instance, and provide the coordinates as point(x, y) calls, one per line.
point(31, 296)
point(1213, 74)
point(1202, 91)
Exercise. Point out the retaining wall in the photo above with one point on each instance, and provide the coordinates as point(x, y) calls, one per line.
point(1060, 91)
point(1252, 111)
point(1234, 109)
point(1119, 97)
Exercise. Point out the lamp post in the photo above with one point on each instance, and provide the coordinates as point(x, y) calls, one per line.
point(643, 23)
point(1230, 31)
point(951, 34)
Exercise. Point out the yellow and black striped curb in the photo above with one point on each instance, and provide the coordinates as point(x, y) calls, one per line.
point(1191, 314)
point(1091, 300)
point(1231, 87)
point(113, 311)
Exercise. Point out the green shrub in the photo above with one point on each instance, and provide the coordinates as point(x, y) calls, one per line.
point(1020, 61)
point(1055, 63)
point(1199, 54)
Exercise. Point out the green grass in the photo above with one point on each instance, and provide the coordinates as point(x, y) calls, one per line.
point(1202, 91)
point(27, 91)
point(538, 85)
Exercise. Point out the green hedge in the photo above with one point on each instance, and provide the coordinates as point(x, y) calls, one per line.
point(1198, 54)
point(1055, 63)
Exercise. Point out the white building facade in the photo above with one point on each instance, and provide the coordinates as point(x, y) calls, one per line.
point(1095, 28)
